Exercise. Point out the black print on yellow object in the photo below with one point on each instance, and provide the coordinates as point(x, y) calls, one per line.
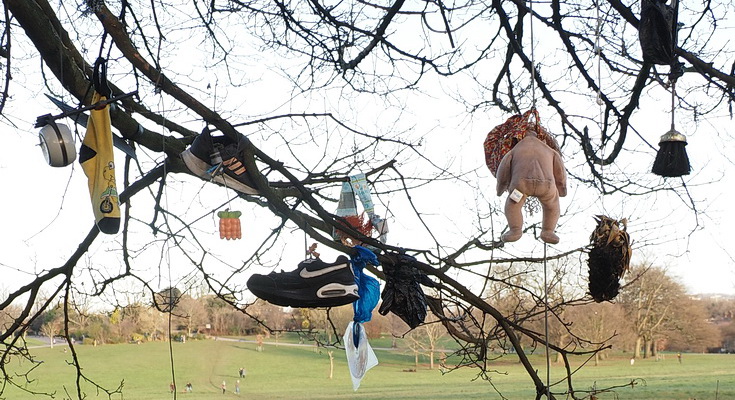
point(98, 163)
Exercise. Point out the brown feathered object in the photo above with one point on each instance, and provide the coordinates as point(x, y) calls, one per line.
point(609, 258)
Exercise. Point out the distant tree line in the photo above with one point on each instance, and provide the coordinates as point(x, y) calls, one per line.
point(651, 314)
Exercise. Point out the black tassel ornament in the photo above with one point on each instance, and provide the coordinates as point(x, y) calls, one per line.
point(672, 159)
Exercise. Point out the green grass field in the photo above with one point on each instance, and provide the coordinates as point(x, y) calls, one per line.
point(291, 372)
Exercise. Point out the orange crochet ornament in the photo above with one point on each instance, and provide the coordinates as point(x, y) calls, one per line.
point(229, 225)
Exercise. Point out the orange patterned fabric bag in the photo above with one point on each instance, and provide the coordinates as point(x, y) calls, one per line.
point(506, 135)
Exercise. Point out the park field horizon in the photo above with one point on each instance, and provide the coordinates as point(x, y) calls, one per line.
point(288, 370)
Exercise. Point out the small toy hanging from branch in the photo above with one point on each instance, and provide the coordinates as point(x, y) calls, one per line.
point(609, 258)
point(311, 252)
point(229, 224)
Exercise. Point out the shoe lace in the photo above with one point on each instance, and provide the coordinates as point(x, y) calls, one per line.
point(216, 159)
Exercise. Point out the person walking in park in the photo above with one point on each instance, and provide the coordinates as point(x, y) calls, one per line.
point(259, 339)
point(237, 387)
point(678, 355)
point(224, 387)
point(242, 372)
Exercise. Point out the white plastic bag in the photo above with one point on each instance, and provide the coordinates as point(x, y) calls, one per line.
point(360, 358)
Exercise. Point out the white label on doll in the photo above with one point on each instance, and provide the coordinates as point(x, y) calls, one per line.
point(516, 195)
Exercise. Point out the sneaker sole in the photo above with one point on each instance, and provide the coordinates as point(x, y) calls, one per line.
point(329, 295)
point(199, 168)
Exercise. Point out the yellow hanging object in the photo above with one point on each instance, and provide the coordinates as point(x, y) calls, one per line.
point(229, 225)
point(98, 163)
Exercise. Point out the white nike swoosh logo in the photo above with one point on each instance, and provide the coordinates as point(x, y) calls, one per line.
point(305, 273)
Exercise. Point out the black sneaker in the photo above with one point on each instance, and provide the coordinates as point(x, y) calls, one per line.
point(313, 284)
point(219, 159)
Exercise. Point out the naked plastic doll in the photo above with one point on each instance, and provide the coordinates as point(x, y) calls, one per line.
point(533, 169)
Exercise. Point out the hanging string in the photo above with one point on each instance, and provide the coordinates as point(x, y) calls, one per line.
point(546, 328)
point(532, 203)
point(546, 287)
point(170, 294)
point(600, 102)
point(216, 157)
point(171, 302)
point(673, 103)
point(598, 54)
point(533, 62)
point(306, 245)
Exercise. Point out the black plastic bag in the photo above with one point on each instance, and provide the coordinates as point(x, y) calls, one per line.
point(402, 294)
point(657, 32)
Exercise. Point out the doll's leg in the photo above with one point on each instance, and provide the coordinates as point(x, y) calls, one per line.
point(514, 215)
point(551, 217)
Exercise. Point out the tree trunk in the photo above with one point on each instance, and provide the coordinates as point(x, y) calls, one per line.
point(431, 359)
point(637, 349)
point(561, 343)
point(331, 363)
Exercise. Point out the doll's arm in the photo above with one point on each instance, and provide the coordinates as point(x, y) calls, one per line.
point(503, 174)
point(560, 175)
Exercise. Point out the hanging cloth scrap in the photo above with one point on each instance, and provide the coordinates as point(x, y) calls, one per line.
point(347, 209)
point(97, 158)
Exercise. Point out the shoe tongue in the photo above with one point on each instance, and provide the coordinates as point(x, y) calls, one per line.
point(231, 149)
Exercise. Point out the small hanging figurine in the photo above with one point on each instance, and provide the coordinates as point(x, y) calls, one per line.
point(311, 252)
point(229, 224)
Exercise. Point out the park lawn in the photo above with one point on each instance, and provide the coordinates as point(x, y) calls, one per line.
point(288, 371)
point(698, 376)
point(383, 342)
